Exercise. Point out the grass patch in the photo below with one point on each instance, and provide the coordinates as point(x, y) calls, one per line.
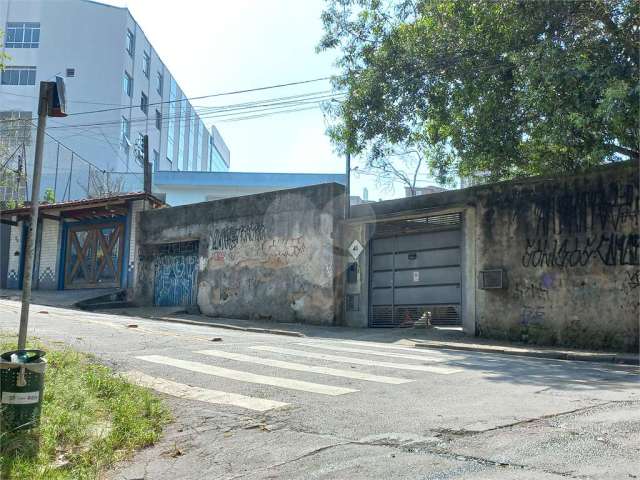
point(91, 418)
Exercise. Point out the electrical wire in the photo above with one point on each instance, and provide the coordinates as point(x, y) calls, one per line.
point(215, 112)
point(213, 95)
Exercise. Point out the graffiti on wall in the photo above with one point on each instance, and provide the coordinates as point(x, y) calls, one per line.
point(609, 248)
point(230, 237)
point(574, 210)
point(531, 291)
point(575, 227)
point(284, 247)
point(532, 315)
point(633, 279)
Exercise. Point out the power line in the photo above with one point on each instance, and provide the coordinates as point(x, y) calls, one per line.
point(216, 112)
point(68, 101)
point(213, 95)
point(222, 111)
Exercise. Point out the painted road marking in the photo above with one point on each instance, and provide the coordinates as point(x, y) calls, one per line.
point(392, 347)
point(357, 361)
point(305, 368)
point(375, 352)
point(248, 377)
point(202, 394)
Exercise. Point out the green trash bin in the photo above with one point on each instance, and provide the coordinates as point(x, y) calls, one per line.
point(21, 388)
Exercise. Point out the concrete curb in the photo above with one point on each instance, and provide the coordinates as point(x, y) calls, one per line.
point(558, 355)
point(229, 327)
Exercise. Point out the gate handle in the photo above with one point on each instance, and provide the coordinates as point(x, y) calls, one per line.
point(32, 355)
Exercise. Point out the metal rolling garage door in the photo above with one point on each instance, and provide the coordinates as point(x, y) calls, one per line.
point(415, 269)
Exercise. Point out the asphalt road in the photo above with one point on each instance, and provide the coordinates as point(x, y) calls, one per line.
point(261, 406)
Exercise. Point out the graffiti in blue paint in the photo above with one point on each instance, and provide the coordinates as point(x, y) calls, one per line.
point(175, 279)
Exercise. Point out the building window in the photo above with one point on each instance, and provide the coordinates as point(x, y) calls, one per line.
point(199, 148)
point(173, 95)
point(131, 43)
point(144, 103)
point(156, 161)
point(216, 162)
point(193, 134)
point(127, 84)
point(182, 129)
point(71, 72)
point(140, 148)
point(125, 132)
point(159, 83)
point(19, 76)
point(22, 35)
point(146, 64)
point(158, 120)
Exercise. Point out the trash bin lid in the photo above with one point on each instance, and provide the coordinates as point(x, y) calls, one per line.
point(24, 356)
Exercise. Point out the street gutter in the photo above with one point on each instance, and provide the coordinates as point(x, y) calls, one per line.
point(228, 327)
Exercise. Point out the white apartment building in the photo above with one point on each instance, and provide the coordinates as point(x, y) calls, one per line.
point(111, 70)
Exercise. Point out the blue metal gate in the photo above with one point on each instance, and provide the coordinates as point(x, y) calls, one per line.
point(176, 274)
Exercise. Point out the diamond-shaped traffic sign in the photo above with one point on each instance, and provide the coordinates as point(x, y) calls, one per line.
point(355, 249)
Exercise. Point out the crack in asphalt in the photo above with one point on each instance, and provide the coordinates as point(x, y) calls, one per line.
point(293, 460)
point(422, 447)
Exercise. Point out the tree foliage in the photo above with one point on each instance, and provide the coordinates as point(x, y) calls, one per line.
point(508, 87)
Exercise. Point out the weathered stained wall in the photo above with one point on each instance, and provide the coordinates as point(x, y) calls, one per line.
point(570, 249)
point(267, 256)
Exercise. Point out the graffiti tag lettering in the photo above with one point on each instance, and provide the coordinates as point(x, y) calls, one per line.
point(634, 279)
point(531, 291)
point(228, 238)
point(284, 247)
point(532, 315)
point(611, 249)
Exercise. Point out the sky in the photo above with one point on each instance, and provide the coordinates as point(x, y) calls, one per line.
point(219, 46)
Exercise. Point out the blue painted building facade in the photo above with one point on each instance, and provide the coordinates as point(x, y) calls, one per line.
point(183, 188)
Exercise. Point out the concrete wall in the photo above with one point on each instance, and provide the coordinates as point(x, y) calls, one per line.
point(570, 249)
point(266, 256)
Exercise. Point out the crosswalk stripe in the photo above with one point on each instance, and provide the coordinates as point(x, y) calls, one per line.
point(357, 361)
point(428, 358)
point(202, 394)
point(247, 376)
point(389, 347)
point(305, 368)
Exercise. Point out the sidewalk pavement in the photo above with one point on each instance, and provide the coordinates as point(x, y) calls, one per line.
point(57, 298)
point(450, 338)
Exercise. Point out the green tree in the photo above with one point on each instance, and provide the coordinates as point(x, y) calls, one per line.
point(50, 195)
point(506, 87)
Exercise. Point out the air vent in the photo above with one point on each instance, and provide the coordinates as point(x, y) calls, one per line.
point(492, 279)
point(416, 225)
point(71, 72)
